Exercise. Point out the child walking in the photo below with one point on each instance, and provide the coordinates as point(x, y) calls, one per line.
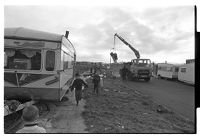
point(77, 84)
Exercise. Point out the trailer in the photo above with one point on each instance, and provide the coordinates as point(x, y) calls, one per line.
point(168, 71)
point(186, 73)
point(37, 65)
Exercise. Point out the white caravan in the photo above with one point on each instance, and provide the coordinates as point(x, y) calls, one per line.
point(168, 71)
point(186, 73)
point(37, 65)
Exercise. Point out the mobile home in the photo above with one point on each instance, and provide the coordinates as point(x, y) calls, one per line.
point(186, 73)
point(37, 65)
point(168, 71)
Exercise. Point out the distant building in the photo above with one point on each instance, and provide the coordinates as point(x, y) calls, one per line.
point(190, 61)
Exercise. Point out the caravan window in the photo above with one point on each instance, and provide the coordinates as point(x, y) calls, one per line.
point(68, 61)
point(50, 60)
point(183, 70)
point(23, 59)
point(176, 69)
point(168, 68)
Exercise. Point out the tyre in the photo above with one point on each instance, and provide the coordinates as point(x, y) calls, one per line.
point(147, 79)
point(129, 76)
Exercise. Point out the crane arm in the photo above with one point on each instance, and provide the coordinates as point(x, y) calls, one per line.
point(137, 54)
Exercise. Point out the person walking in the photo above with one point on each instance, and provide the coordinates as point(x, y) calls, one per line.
point(123, 73)
point(77, 84)
point(96, 81)
point(101, 81)
point(30, 115)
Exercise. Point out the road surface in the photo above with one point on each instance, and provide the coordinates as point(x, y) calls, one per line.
point(175, 95)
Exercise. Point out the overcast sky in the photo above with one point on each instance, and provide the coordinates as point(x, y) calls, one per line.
point(160, 34)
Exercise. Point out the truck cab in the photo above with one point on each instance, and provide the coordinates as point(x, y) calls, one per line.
point(140, 69)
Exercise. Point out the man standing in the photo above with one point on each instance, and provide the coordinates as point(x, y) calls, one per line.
point(77, 84)
point(101, 81)
point(123, 73)
point(96, 80)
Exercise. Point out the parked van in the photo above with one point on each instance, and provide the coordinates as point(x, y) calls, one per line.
point(37, 65)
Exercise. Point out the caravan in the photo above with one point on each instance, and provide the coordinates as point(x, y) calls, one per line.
point(37, 65)
point(186, 73)
point(168, 71)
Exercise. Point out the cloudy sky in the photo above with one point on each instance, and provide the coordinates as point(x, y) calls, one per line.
point(158, 33)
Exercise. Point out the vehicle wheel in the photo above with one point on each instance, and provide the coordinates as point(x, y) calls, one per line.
point(147, 79)
point(129, 76)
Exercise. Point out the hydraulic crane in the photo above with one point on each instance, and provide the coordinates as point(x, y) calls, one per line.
point(137, 68)
point(137, 54)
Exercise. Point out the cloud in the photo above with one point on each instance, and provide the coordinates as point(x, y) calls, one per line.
point(151, 31)
point(162, 30)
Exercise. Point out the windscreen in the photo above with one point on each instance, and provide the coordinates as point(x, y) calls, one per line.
point(141, 62)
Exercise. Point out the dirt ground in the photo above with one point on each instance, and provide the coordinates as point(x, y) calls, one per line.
point(120, 109)
point(117, 109)
point(64, 116)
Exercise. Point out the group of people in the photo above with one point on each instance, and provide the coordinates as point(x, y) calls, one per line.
point(79, 82)
point(30, 114)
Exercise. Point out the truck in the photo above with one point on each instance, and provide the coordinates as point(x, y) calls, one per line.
point(138, 68)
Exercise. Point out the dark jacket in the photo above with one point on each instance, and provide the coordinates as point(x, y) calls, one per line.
point(78, 83)
point(96, 79)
